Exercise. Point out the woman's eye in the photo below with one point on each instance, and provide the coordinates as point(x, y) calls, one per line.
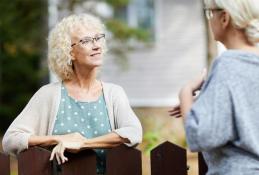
point(99, 37)
point(85, 41)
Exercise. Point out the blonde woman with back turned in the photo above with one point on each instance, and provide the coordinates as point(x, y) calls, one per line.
point(79, 112)
point(223, 121)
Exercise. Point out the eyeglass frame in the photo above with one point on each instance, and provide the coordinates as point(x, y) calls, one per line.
point(92, 39)
point(209, 12)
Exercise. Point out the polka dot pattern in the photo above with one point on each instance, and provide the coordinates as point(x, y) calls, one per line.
point(88, 118)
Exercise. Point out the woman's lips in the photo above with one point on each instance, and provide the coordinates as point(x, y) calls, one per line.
point(95, 54)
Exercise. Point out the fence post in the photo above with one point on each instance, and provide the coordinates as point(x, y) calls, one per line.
point(202, 165)
point(35, 161)
point(168, 159)
point(123, 160)
point(4, 164)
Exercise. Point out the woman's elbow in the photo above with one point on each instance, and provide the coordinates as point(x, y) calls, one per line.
point(140, 136)
point(9, 146)
point(14, 144)
point(204, 144)
point(137, 137)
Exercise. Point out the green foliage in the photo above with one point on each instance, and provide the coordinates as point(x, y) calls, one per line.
point(118, 3)
point(151, 139)
point(123, 32)
point(22, 41)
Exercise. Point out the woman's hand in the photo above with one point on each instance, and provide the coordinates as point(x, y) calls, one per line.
point(197, 83)
point(70, 142)
point(193, 86)
point(175, 111)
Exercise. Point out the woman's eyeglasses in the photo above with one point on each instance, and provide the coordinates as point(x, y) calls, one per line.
point(90, 40)
point(209, 12)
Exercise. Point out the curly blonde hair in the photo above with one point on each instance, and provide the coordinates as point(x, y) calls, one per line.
point(59, 42)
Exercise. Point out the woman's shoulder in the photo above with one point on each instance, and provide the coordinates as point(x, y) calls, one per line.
point(225, 63)
point(222, 60)
point(49, 89)
point(233, 58)
point(232, 62)
point(113, 91)
point(230, 65)
point(50, 86)
point(111, 86)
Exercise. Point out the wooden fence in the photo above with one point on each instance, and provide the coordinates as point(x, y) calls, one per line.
point(4, 164)
point(166, 159)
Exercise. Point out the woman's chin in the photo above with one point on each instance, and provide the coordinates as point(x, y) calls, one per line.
point(96, 57)
point(94, 61)
point(97, 63)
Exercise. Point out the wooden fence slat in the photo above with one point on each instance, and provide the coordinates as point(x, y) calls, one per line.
point(202, 165)
point(168, 159)
point(82, 163)
point(4, 164)
point(34, 161)
point(123, 160)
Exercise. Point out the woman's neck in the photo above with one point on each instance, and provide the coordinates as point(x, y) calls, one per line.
point(84, 78)
point(237, 40)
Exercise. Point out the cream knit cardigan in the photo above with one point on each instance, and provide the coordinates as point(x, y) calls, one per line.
point(38, 117)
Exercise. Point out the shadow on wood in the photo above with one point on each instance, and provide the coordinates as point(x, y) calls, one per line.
point(123, 160)
point(168, 159)
point(4, 164)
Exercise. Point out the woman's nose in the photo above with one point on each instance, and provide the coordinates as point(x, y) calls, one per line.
point(96, 47)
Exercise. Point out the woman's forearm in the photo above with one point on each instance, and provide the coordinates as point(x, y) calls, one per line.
point(186, 100)
point(186, 95)
point(43, 140)
point(106, 141)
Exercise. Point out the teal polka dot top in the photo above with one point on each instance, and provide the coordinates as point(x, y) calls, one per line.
point(88, 118)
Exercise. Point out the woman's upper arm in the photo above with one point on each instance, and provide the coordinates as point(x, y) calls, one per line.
point(209, 124)
point(25, 124)
point(128, 124)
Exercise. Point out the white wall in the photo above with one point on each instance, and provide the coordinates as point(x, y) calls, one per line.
point(156, 74)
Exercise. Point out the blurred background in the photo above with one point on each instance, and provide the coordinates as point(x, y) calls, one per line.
point(155, 47)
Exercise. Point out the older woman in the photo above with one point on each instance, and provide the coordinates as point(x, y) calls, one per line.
point(223, 121)
point(80, 112)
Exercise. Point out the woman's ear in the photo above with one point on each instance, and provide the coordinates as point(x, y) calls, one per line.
point(225, 19)
point(72, 54)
